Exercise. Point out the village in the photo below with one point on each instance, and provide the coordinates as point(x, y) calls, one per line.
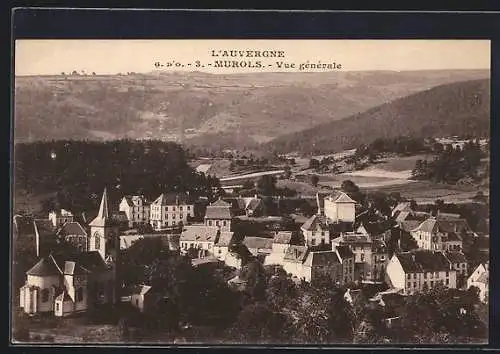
point(343, 243)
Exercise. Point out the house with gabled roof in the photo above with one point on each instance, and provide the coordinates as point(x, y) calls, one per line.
point(258, 245)
point(339, 207)
point(60, 217)
point(200, 238)
point(479, 278)
point(74, 234)
point(436, 233)
point(171, 210)
point(219, 214)
point(136, 208)
point(280, 244)
point(316, 231)
point(221, 247)
point(414, 271)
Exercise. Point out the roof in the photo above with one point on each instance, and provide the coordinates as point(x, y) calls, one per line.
point(225, 239)
point(404, 206)
point(283, 237)
point(72, 228)
point(344, 252)
point(409, 225)
point(71, 268)
point(341, 197)
point(172, 199)
point(203, 168)
point(402, 216)
point(456, 257)
point(254, 203)
point(258, 242)
point(63, 213)
point(428, 225)
point(200, 233)
point(103, 217)
point(315, 222)
point(452, 236)
point(423, 261)
point(219, 210)
point(324, 258)
point(452, 225)
point(138, 289)
point(205, 260)
point(44, 227)
point(45, 267)
point(355, 238)
point(296, 254)
point(89, 261)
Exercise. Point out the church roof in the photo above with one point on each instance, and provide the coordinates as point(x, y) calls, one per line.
point(103, 217)
point(72, 228)
point(45, 267)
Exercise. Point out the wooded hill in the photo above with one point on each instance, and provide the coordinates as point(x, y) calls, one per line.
point(461, 108)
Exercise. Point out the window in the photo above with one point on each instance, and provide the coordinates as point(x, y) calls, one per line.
point(181, 216)
point(173, 223)
point(313, 241)
point(432, 283)
point(97, 241)
point(180, 208)
point(188, 207)
point(447, 281)
point(173, 208)
point(322, 240)
point(209, 222)
point(415, 284)
point(447, 273)
point(362, 257)
point(137, 302)
point(217, 223)
point(409, 276)
point(224, 223)
point(79, 294)
point(414, 275)
point(220, 251)
point(425, 275)
point(45, 295)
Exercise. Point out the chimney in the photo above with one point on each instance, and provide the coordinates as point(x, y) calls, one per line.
point(413, 257)
point(255, 196)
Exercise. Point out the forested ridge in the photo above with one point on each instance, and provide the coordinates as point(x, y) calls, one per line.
point(79, 170)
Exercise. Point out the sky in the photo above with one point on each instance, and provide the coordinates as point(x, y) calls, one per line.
point(47, 57)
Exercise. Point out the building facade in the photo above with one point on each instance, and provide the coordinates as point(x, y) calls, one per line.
point(136, 209)
point(170, 210)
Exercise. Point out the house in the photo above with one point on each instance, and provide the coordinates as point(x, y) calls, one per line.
point(281, 242)
point(136, 209)
point(316, 231)
point(459, 263)
point(401, 207)
point(441, 234)
point(346, 257)
point(480, 279)
point(339, 207)
point(73, 233)
point(292, 262)
point(258, 245)
point(219, 214)
point(417, 270)
point(68, 284)
point(379, 259)
point(142, 297)
point(170, 209)
point(361, 245)
point(45, 237)
point(221, 247)
point(200, 238)
point(60, 217)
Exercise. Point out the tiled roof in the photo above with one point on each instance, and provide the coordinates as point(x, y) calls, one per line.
point(453, 225)
point(325, 258)
point(72, 228)
point(345, 252)
point(402, 216)
point(172, 199)
point(225, 238)
point(341, 197)
point(72, 268)
point(199, 233)
point(128, 199)
point(314, 222)
point(423, 261)
point(258, 243)
point(404, 206)
point(296, 254)
point(283, 237)
point(355, 238)
point(89, 261)
point(219, 210)
point(45, 267)
point(428, 225)
point(253, 204)
point(456, 257)
point(409, 225)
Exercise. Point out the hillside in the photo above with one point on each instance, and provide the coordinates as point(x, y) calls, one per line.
point(235, 110)
point(453, 109)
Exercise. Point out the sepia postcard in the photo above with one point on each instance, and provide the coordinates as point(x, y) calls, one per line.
point(250, 192)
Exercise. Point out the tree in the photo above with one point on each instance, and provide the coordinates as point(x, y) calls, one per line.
point(314, 180)
point(266, 185)
point(314, 164)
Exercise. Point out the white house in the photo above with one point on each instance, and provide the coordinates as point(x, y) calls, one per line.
point(170, 209)
point(414, 271)
point(221, 247)
point(480, 279)
point(316, 231)
point(280, 245)
point(440, 233)
point(339, 207)
point(136, 208)
point(199, 237)
point(219, 214)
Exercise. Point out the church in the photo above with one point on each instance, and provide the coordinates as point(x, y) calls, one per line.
point(65, 284)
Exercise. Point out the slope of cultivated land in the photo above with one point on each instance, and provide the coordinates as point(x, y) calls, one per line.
point(453, 109)
point(214, 110)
